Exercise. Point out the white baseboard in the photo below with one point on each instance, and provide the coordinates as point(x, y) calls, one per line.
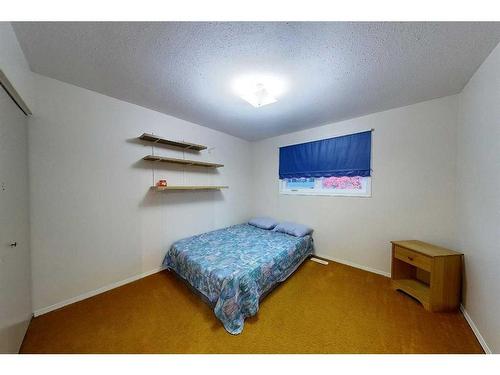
point(92, 293)
point(474, 328)
point(355, 265)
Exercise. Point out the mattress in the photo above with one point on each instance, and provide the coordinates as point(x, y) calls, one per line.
point(234, 267)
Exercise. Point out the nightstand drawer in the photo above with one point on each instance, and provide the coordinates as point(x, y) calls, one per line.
point(408, 256)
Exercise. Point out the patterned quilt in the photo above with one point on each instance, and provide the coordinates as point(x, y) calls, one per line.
point(235, 266)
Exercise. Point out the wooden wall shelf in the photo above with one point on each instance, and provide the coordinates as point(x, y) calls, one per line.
point(163, 188)
point(182, 161)
point(184, 145)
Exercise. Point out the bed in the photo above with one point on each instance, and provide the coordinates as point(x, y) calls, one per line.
point(236, 266)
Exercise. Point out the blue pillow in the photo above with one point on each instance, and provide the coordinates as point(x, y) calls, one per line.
point(263, 222)
point(293, 229)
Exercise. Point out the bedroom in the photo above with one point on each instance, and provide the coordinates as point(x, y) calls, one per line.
point(207, 187)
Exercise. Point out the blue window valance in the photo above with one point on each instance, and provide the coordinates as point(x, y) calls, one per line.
point(348, 155)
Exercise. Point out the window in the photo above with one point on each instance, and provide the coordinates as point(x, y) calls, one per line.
point(335, 166)
point(356, 186)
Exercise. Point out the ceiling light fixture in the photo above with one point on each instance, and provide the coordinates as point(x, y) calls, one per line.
point(259, 90)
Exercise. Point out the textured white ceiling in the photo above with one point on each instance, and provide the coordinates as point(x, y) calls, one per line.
point(334, 70)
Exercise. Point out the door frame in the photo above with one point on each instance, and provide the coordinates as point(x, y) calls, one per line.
point(14, 95)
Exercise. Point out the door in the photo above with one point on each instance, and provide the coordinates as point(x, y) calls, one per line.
point(15, 272)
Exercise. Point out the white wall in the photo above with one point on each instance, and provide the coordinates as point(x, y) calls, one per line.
point(94, 220)
point(413, 185)
point(478, 199)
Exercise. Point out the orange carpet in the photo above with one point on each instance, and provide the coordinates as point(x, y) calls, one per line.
point(319, 309)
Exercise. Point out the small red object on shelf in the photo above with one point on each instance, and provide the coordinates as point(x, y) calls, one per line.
point(161, 183)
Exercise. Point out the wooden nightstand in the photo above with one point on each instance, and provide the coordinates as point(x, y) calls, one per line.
point(431, 274)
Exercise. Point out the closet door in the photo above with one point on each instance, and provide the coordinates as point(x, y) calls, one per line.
point(15, 273)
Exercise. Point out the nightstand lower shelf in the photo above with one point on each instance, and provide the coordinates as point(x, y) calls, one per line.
point(414, 288)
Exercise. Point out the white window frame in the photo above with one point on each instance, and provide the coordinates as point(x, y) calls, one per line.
point(366, 192)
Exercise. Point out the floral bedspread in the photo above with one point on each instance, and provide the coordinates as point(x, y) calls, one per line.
point(233, 267)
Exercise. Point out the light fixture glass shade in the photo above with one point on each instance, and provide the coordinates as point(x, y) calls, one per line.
point(258, 90)
point(259, 97)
